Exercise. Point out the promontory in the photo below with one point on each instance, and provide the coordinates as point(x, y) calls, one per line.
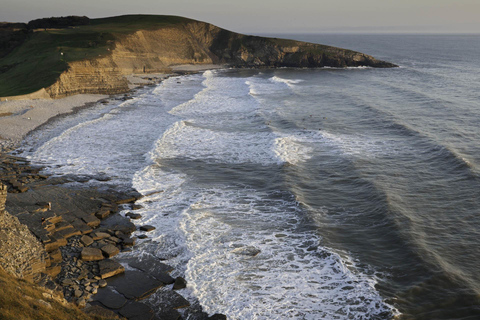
point(57, 57)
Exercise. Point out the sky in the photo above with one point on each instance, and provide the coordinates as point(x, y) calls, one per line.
point(275, 16)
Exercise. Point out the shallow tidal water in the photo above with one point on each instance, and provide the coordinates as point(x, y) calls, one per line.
point(303, 194)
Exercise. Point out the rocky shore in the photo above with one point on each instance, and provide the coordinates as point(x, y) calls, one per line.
point(77, 245)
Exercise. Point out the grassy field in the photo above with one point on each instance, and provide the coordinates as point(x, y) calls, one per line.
point(39, 61)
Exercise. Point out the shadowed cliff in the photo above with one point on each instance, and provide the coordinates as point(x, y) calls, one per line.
point(94, 56)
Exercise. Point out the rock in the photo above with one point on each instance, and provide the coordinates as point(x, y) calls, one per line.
point(109, 268)
point(136, 285)
point(110, 299)
point(102, 283)
point(129, 242)
point(110, 250)
point(218, 316)
point(180, 283)
point(149, 264)
point(54, 244)
point(67, 233)
point(133, 216)
point(91, 221)
point(68, 282)
point(99, 235)
point(91, 254)
point(86, 240)
point(136, 310)
point(102, 213)
point(78, 293)
point(142, 236)
point(147, 228)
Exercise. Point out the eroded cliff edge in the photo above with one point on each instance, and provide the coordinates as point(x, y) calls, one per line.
point(138, 44)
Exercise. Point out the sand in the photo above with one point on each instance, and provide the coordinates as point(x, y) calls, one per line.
point(19, 117)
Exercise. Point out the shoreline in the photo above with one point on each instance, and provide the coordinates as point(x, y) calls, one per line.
point(65, 256)
point(21, 117)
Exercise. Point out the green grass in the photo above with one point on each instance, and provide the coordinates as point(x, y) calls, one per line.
point(38, 62)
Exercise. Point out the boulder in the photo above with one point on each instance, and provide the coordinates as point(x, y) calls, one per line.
point(180, 283)
point(147, 228)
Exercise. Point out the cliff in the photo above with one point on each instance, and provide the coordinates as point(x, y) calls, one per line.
point(21, 254)
point(94, 58)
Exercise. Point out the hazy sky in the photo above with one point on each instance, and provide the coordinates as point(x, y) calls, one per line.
point(275, 16)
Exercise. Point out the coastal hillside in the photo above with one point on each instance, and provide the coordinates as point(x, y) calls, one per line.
point(62, 57)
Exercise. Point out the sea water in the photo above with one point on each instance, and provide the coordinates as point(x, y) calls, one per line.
point(303, 194)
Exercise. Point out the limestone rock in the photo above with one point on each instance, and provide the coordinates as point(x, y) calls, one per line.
point(110, 250)
point(136, 285)
point(86, 240)
point(91, 254)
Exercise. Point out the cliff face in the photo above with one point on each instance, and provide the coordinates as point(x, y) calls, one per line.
point(21, 254)
point(156, 50)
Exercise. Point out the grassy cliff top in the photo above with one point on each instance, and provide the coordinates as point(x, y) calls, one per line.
point(38, 61)
point(22, 300)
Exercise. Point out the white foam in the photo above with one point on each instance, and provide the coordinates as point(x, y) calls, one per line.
point(186, 140)
point(291, 277)
point(288, 82)
point(364, 146)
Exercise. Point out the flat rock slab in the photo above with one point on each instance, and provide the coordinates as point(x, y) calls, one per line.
point(110, 250)
point(99, 235)
point(117, 222)
point(92, 254)
point(137, 310)
point(91, 221)
point(150, 265)
point(109, 268)
point(110, 299)
point(136, 285)
point(147, 228)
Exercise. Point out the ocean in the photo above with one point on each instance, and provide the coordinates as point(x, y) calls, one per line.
point(303, 193)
